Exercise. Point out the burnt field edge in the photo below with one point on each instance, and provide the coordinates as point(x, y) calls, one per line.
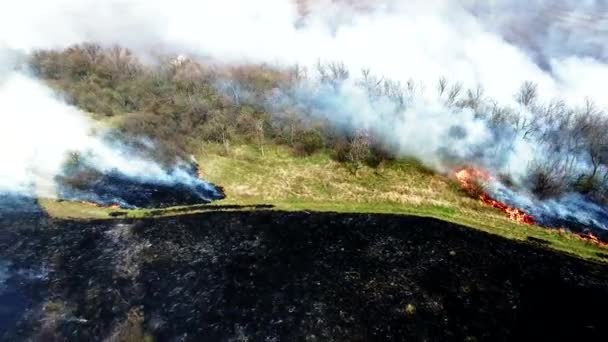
point(552, 240)
point(561, 241)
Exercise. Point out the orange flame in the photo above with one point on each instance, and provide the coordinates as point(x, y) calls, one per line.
point(469, 178)
point(587, 237)
point(593, 239)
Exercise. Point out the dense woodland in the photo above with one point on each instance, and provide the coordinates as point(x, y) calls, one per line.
point(180, 103)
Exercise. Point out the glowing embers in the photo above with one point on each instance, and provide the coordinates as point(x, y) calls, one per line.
point(471, 179)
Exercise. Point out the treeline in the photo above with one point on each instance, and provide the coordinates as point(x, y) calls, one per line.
point(181, 102)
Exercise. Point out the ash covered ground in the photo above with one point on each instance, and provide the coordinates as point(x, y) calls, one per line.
point(84, 182)
point(278, 276)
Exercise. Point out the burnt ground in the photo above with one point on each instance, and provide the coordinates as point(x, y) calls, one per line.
point(81, 180)
point(277, 276)
point(114, 188)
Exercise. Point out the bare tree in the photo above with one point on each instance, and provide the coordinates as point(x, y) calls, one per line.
point(359, 150)
point(474, 98)
point(94, 52)
point(527, 94)
point(394, 91)
point(548, 177)
point(260, 133)
point(122, 62)
point(296, 74)
point(500, 115)
point(442, 85)
point(592, 125)
point(371, 84)
point(333, 73)
point(453, 94)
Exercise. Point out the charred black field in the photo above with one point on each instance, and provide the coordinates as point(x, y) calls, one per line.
point(283, 276)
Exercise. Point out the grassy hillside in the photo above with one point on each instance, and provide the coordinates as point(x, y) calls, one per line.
point(319, 183)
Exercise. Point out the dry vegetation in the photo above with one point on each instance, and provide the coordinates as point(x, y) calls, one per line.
point(180, 103)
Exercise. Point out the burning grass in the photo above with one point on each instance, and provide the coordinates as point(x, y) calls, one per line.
point(470, 180)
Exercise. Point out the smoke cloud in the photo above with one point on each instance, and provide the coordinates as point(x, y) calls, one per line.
point(497, 44)
point(494, 44)
point(39, 132)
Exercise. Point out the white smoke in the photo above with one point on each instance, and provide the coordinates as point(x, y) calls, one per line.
point(422, 128)
point(464, 40)
point(39, 130)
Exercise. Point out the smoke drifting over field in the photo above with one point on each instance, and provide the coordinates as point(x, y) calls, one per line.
point(473, 42)
point(39, 134)
point(493, 44)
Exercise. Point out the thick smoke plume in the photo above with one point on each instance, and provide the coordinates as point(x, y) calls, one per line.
point(420, 40)
point(487, 47)
point(39, 133)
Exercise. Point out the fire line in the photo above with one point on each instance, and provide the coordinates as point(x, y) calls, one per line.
point(468, 178)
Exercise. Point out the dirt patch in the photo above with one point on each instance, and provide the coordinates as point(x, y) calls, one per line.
point(278, 276)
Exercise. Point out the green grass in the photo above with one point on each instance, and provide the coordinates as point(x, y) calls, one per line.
point(74, 210)
point(317, 183)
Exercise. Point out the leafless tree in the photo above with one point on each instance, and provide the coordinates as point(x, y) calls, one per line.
point(527, 94)
point(260, 134)
point(453, 94)
point(359, 150)
point(333, 73)
point(377, 87)
point(371, 84)
point(474, 98)
point(592, 125)
point(122, 62)
point(395, 92)
point(442, 85)
point(548, 177)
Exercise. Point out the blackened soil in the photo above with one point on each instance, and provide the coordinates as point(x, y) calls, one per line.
point(114, 188)
point(276, 276)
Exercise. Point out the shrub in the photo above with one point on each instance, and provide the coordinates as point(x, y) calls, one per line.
point(341, 149)
point(377, 155)
point(546, 179)
point(308, 142)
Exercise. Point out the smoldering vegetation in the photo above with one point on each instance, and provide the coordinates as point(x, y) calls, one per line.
point(271, 275)
point(53, 150)
point(83, 182)
point(548, 157)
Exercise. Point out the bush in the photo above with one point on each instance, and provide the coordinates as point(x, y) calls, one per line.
point(586, 185)
point(308, 142)
point(376, 156)
point(341, 150)
point(546, 180)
